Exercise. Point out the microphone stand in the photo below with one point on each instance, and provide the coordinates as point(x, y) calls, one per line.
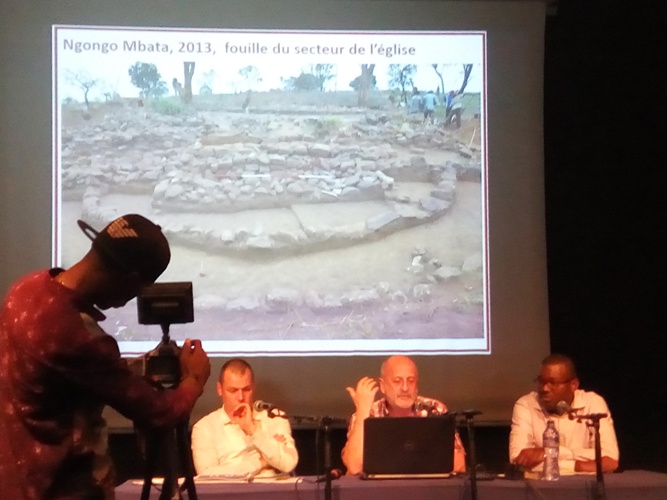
point(472, 461)
point(593, 420)
point(324, 424)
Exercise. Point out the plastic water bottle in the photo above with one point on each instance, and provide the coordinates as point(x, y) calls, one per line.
point(551, 442)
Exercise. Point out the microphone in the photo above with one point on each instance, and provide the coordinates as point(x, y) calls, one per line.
point(260, 405)
point(334, 474)
point(563, 408)
point(422, 405)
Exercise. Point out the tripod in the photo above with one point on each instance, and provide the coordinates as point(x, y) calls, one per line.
point(469, 415)
point(173, 445)
point(163, 369)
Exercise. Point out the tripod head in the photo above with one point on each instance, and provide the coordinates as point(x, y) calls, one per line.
point(162, 364)
point(164, 304)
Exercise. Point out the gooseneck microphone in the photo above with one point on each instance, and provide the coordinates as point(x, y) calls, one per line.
point(260, 405)
point(426, 406)
point(563, 408)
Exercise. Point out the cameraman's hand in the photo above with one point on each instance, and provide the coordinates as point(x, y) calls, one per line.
point(194, 362)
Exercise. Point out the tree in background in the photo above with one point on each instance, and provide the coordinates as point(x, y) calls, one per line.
point(314, 79)
point(367, 81)
point(146, 78)
point(304, 82)
point(207, 79)
point(442, 81)
point(251, 76)
point(84, 81)
point(354, 84)
point(323, 73)
point(363, 83)
point(467, 70)
point(188, 71)
point(400, 77)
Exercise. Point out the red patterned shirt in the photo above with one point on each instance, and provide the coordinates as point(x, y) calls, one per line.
point(422, 408)
point(57, 371)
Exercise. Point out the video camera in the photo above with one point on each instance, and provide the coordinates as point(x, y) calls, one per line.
point(165, 304)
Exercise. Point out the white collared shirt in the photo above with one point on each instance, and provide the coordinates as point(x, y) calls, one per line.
point(220, 447)
point(577, 440)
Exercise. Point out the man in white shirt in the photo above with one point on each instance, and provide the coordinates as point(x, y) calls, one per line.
point(236, 440)
point(557, 383)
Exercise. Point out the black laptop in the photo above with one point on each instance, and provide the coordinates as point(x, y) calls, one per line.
point(408, 447)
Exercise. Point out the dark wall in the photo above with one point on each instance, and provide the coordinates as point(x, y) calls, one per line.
point(491, 444)
point(604, 143)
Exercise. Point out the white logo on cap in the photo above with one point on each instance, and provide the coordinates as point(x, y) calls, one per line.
point(120, 228)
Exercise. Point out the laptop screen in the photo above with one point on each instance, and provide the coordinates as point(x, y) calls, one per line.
point(396, 446)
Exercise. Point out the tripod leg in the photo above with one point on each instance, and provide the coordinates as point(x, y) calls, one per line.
point(186, 460)
point(170, 490)
point(151, 453)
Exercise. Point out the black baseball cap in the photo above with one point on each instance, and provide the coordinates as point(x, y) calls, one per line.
point(131, 243)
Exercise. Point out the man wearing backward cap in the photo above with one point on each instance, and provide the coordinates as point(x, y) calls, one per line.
point(58, 368)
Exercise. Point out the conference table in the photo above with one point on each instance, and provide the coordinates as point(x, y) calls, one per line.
point(626, 485)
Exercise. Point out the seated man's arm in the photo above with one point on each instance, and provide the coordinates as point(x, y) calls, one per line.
point(585, 457)
point(523, 445)
point(459, 454)
point(218, 454)
point(276, 444)
point(608, 465)
point(362, 396)
point(353, 451)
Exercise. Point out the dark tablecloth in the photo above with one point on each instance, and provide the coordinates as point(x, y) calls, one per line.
point(627, 485)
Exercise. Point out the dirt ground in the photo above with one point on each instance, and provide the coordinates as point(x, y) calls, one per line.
point(453, 310)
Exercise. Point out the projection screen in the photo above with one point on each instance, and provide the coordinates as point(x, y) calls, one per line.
point(315, 213)
point(323, 219)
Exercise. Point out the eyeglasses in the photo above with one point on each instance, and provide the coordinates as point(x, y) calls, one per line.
point(540, 382)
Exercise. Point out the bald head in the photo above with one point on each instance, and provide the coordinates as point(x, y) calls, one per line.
point(397, 363)
point(237, 366)
point(398, 383)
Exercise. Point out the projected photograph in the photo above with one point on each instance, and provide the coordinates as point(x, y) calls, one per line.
point(323, 191)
